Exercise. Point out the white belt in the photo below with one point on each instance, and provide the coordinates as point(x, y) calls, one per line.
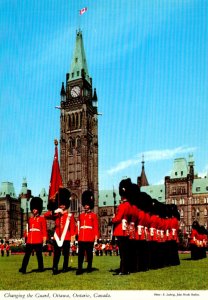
point(152, 230)
point(173, 231)
point(84, 227)
point(140, 227)
point(34, 229)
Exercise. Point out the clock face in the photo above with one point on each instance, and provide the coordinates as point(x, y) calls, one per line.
point(75, 91)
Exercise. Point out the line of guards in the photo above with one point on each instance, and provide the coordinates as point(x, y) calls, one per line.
point(145, 230)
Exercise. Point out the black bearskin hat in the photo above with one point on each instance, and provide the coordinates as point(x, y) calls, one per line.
point(125, 188)
point(195, 225)
point(63, 197)
point(174, 211)
point(88, 199)
point(134, 194)
point(36, 203)
point(154, 207)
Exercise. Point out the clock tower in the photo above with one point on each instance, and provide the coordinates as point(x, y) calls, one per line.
point(79, 130)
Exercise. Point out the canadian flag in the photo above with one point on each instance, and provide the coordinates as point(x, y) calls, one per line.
point(83, 10)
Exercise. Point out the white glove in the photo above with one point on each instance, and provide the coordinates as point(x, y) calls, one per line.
point(58, 210)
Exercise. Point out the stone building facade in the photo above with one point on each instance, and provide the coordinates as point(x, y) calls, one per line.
point(10, 212)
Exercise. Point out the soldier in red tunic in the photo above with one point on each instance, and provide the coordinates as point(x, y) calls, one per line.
point(87, 232)
point(36, 235)
point(65, 228)
point(2, 247)
point(7, 248)
point(121, 225)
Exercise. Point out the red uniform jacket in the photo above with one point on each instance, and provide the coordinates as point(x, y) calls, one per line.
point(194, 237)
point(37, 230)
point(88, 227)
point(60, 222)
point(153, 226)
point(174, 224)
point(121, 218)
point(142, 225)
point(133, 222)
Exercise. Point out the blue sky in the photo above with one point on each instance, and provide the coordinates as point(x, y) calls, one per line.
point(149, 63)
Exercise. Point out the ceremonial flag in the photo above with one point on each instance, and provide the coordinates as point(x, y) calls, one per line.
point(83, 10)
point(56, 180)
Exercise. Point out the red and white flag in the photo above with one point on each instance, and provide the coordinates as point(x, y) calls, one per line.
point(83, 10)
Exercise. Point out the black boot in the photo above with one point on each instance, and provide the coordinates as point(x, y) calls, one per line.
point(55, 271)
point(23, 271)
point(79, 272)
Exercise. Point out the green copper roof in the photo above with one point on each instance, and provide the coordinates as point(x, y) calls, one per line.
point(106, 198)
point(79, 61)
point(200, 186)
point(180, 168)
point(155, 191)
point(7, 188)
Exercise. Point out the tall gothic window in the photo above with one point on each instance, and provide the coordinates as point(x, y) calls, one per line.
point(72, 121)
point(78, 145)
point(71, 146)
point(69, 122)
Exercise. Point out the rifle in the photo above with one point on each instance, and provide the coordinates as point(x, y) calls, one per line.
point(114, 211)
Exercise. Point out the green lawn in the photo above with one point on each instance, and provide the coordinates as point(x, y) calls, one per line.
point(190, 275)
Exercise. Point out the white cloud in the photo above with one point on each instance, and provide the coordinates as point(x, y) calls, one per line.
point(153, 155)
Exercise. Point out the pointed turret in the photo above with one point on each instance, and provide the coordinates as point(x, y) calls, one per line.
point(63, 93)
point(79, 67)
point(142, 179)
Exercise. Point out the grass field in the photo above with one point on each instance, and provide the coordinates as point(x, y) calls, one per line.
point(190, 275)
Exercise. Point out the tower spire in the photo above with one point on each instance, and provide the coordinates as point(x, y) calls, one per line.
point(79, 67)
point(142, 179)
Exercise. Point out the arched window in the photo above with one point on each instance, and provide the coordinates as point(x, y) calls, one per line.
point(74, 203)
point(104, 228)
point(193, 212)
point(181, 213)
point(205, 212)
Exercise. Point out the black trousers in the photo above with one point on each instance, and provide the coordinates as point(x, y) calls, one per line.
point(88, 248)
point(28, 251)
point(57, 254)
point(123, 244)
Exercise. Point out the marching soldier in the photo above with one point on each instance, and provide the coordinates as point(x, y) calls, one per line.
point(7, 248)
point(87, 232)
point(36, 235)
point(65, 228)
